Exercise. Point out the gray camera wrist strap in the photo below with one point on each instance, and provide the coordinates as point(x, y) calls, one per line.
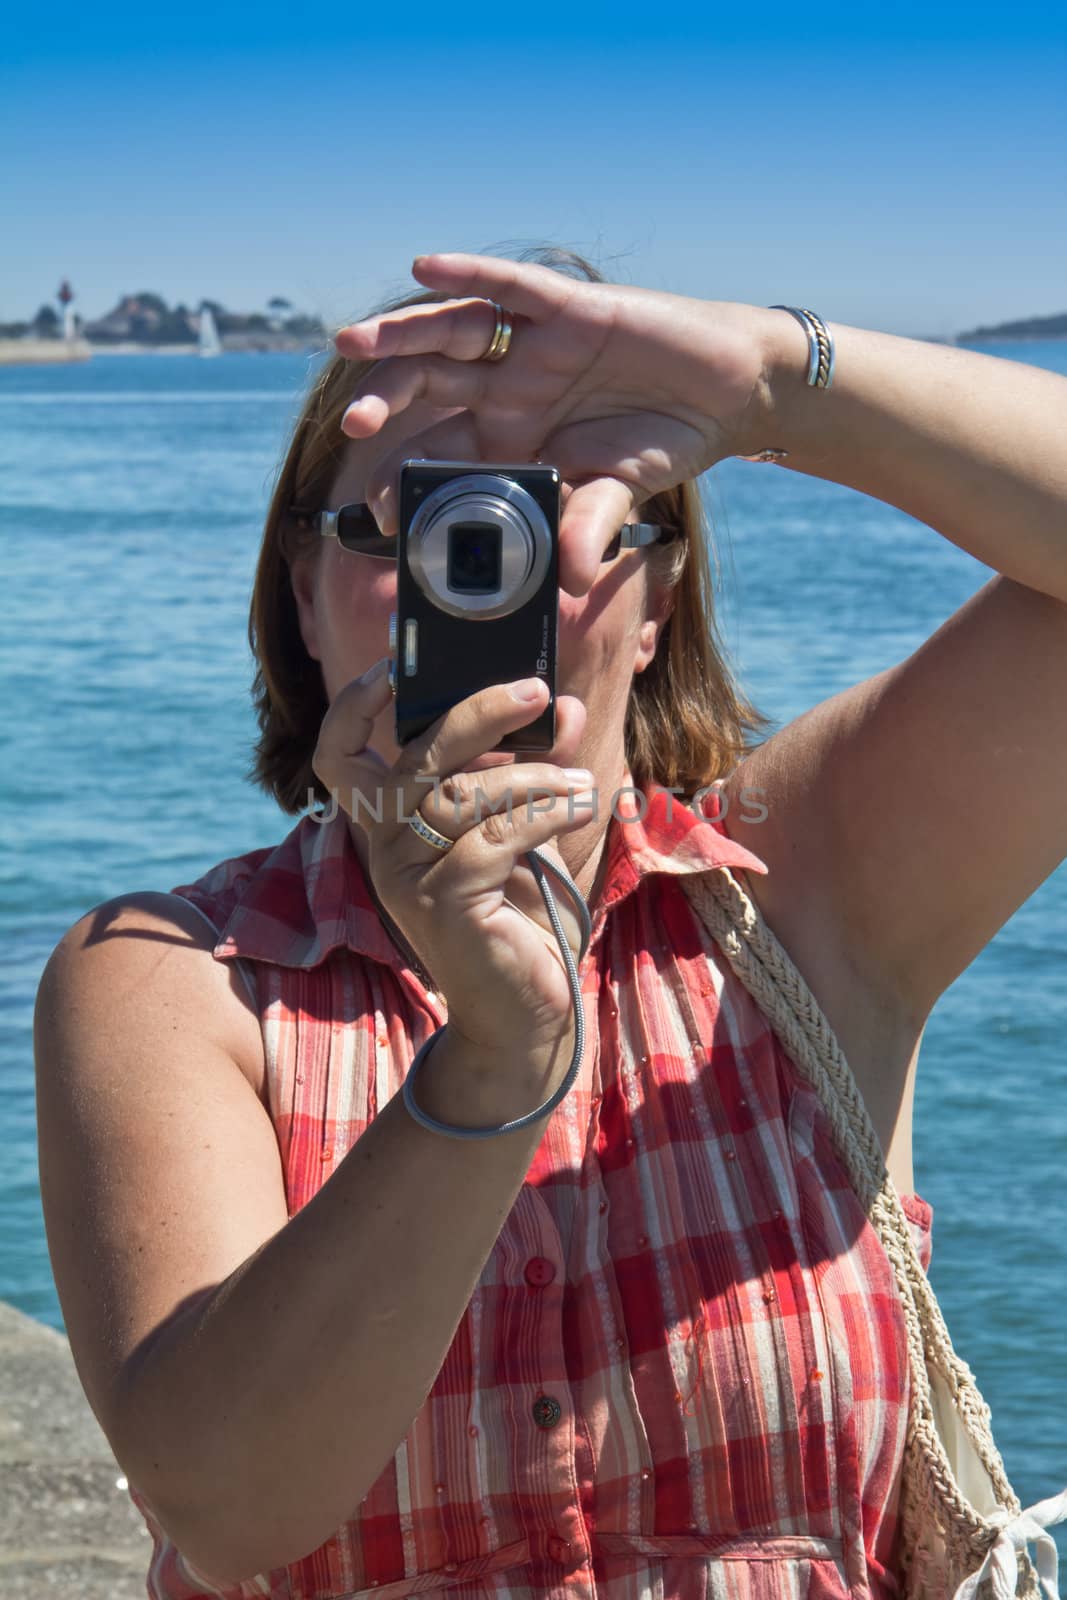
point(538, 863)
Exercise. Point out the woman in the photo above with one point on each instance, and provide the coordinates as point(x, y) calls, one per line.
point(646, 1342)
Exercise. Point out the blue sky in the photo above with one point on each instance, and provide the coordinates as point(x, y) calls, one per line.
point(900, 168)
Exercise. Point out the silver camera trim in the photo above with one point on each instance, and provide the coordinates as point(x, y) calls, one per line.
point(428, 560)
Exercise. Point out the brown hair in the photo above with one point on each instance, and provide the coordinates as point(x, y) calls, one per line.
point(687, 722)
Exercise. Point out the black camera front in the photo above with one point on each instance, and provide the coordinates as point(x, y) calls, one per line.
point(477, 590)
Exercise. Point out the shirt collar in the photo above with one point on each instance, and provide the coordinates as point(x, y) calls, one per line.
point(310, 895)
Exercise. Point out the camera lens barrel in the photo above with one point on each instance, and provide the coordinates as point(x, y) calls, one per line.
point(479, 546)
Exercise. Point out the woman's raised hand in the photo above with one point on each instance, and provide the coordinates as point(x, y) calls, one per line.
point(473, 914)
point(627, 391)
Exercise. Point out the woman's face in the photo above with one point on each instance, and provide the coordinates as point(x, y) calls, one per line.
point(344, 602)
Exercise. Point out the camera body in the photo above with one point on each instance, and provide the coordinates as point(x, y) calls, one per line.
point(477, 590)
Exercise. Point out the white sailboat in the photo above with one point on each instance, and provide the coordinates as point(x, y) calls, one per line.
point(210, 343)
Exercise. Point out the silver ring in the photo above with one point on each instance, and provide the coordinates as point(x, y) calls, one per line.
point(500, 343)
point(419, 825)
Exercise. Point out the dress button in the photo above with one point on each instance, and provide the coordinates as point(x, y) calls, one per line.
point(450, 1566)
point(546, 1411)
point(540, 1270)
point(559, 1549)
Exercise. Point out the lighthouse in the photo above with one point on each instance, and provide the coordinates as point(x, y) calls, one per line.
point(65, 295)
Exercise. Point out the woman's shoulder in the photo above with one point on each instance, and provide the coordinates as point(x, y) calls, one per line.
point(165, 941)
point(149, 912)
point(160, 946)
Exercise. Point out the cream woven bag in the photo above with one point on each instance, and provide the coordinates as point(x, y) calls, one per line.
point(963, 1535)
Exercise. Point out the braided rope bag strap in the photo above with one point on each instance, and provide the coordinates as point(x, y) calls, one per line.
point(944, 1536)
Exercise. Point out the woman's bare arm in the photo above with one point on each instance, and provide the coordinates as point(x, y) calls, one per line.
point(968, 443)
point(928, 801)
point(253, 1373)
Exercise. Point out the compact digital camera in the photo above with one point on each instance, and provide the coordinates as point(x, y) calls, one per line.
point(477, 590)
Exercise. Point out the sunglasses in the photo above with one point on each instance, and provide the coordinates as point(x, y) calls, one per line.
point(355, 529)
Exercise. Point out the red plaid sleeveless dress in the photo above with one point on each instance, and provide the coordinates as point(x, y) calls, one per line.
point(683, 1372)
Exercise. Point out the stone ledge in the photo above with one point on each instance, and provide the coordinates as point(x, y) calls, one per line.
point(81, 1576)
point(66, 1527)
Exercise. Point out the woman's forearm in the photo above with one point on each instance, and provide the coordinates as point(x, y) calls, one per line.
point(971, 444)
point(256, 1423)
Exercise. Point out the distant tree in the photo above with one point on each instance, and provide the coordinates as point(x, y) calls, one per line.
point(305, 328)
point(279, 304)
point(151, 302)
point(174, 328)
point(1054, 327)
point(46, 323)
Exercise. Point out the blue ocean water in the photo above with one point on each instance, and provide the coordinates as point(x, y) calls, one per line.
point(132, 494)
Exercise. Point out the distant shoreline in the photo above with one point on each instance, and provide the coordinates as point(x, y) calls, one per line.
point(60, 352)
point(1017, 338)
point(293, 347)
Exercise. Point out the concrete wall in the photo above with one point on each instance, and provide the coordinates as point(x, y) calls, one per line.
point(42, 352)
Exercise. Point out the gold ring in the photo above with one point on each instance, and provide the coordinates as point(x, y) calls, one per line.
point(500, 343)
point(419, 825)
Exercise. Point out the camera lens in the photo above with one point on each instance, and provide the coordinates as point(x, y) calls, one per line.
point(474, 557)
point(478, 545)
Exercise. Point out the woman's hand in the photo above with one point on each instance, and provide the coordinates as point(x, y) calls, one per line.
point(627, 391)
point(474, 914)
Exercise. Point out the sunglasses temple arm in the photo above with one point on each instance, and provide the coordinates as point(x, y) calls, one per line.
point(632, 535)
